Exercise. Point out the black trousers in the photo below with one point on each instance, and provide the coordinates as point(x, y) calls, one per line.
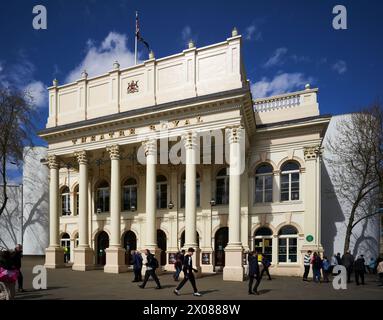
point(251, 280)
point(137, 274)
point(20, 280)
point(357, 275)
point(152, 273)
point(349, 271)
point(306, 273)
point(190, 277)
point(266, 270)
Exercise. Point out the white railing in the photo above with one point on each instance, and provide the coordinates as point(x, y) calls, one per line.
point(277, 102)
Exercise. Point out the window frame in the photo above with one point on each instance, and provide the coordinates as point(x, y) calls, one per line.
point(129, 187)
point(263, 176)
point(65, 198)
point(289, 174)
point(226, 184)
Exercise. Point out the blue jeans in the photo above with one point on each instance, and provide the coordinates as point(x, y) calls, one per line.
point(316, 273)
point(177, 273)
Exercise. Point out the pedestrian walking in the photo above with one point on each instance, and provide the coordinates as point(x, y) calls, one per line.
point(266, 264)
point(359, 269)
point(339, 259)
point(317, 266)
point(66, 254)
point(253, 272)
point(326, 269)
point(188, 274)
point(151, 266)
point(306, 264)
point(137, 265)
point(348, 262)
point(16, 259)
point(178, 264)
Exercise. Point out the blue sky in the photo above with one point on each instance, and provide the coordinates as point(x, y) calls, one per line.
point(285, 43)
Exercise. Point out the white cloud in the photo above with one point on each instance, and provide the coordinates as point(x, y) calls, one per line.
point(1, 67)
point(37, 92)
point(276, 58)
point(99, 59)
point(186, 33)
point(252, 32)
point(282, 83)
point(340, 66)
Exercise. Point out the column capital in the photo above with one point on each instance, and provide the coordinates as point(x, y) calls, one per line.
point(52, 162)
point(81, 157)
point(150, 147)
point(190, 140)
point(235, 133)
point(114, 151)
point(312, 152)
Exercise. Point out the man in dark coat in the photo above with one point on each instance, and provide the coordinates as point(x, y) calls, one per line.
point(359, 269)
point(348, 262)
point(137, 265)
point(253, 272)
point(16, 259)
point(188, 274)
point(151, 266)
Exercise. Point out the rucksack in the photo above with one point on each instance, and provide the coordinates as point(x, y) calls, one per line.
point(154, 263)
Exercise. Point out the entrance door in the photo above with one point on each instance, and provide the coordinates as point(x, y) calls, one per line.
point(102, 244)
point(221, 240)
point(130, 243)
point(161, 243)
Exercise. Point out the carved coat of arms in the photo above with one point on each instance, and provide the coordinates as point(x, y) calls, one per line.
point(133, 86)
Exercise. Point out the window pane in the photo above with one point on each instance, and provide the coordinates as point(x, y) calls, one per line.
point(198, 193)
point(268, 188)
point(265, 168)
point(220, 192)
point(289, 166)
point(163, 196)
point(292, 250)
point(282, 250)
point(183, 189)
point(285, 187)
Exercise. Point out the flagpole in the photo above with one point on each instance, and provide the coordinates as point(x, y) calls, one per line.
point(135, 41)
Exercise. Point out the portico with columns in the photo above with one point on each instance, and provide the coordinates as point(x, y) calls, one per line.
point(164, 156)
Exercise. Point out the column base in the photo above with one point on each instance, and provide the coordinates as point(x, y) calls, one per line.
point(54, 258)
point(115, 260)
point(233, 270)
point(83, 259)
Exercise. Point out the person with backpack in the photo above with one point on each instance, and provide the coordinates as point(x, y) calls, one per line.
point(151, 266)
point(188, 274)
point(359, 269)
point(326, 269)
point(266, 264)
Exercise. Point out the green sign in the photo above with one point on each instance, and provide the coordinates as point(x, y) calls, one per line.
point(309, 238)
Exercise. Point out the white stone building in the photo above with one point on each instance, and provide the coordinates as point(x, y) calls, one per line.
point(104, 202)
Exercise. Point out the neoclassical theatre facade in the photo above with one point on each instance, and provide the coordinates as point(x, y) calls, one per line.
point(174, 153)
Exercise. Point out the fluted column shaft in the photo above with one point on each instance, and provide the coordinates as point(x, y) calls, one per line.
point(190, 190)
point(115, 196)
point(83, 199)
point(53, 202)
point(151, 160)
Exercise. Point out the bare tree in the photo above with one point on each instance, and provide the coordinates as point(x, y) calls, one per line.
point(17, 115)
point(356, 157)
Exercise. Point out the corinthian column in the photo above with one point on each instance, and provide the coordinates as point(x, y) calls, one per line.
point(115, 255)
point(190, 142)
point(83, 255)
point(233, 269)
point(54, 254)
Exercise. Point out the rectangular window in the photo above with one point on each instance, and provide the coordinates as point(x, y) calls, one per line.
point(259, 189)
point(268, 189)
point(282, 250)
point(285, 187)
point(295, 186)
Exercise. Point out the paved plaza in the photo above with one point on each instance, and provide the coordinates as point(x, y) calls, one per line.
point(67, 284)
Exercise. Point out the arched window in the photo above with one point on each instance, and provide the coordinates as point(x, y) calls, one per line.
point(287, 244)
point(65, 201)
point(162, 192)
point(222, 187)
point(102, 197)
point(129, 195)
point(183, 190)
point(264, 183)
point(76, 200)
point(290, 181)
point(263, 242)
